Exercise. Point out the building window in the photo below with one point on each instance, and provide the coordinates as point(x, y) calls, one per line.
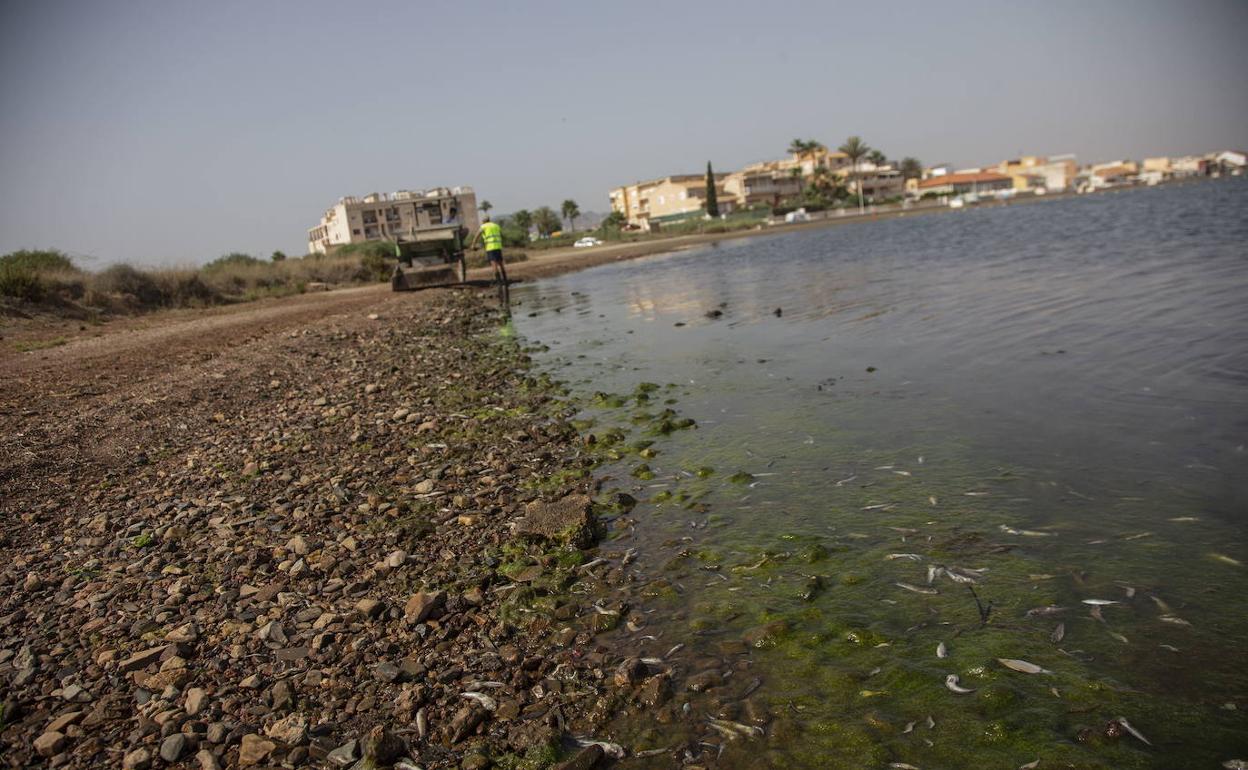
point(355, 231)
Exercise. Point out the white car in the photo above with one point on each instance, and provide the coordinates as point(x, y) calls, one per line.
point(586, 242)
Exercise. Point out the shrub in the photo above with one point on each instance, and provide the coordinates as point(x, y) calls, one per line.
point(124, 280)
point(38, 260)
point(233, 259)
point(20, 283)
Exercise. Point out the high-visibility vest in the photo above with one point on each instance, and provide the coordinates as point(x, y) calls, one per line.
point(492, 235)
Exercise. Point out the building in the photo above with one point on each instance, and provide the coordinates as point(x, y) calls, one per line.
point(1231, 160)
point(392, 216)
point(1033, 172)
point(965, 183)
point(1111, 175)
point(878, 183)
point(668, 198)
point(767, 183)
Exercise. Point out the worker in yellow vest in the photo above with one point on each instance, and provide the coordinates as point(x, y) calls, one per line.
point(491, 235)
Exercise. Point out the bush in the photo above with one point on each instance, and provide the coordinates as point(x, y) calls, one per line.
point(20, 283)
point(126, 281)
point(233, 259)
point(38, 260)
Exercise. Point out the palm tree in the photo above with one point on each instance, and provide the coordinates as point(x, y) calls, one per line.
point(877, 158)
point(523, 219)
point(911, 168)
point(570, 212)
point(855, 149)
point(547, 221)
point(485, 207)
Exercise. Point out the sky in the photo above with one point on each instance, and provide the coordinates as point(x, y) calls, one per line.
point(169, 132)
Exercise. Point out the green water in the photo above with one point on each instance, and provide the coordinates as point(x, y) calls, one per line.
point(862, 423)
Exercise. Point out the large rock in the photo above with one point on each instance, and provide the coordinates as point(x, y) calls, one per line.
point(50, 743)
point(254, 750)
point(422, 605)
point(567, 520)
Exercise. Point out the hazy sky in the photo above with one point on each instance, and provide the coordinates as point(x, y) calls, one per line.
point(170, 132)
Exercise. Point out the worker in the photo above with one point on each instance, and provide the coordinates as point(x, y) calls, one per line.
point(491, 236)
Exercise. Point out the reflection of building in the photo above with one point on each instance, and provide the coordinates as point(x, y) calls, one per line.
point(391, 216)
point(965, 183)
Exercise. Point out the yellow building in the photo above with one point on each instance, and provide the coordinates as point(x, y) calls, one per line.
point(668, 198)
point(1032, 172)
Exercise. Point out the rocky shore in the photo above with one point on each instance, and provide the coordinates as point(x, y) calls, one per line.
point(369, 541)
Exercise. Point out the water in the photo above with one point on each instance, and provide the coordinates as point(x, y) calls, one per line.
point(1055, 393)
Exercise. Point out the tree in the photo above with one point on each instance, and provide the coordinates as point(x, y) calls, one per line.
point(855, 149)
point(570, 212)
point(877, 158)
point(547, 221)
point(614, 219)
point(278, 256)
point(523, 219)
point(911, 168)
point(485, 207)
point(712, 198)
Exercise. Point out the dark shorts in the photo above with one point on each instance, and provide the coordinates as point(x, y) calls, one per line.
point(495, 255)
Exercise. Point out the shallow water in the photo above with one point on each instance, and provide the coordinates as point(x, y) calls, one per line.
point(1054, 393)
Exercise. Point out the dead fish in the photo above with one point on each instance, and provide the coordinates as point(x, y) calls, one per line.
point(603, 610)
point(902, 473)
point(1026, 532)
point(735, 728)
point(951, 682)
point(916, 589)
point(942, 651)
point(1041, 577)
point(422, 724)
point(1161, 604)
point(1040, 612)
point(592, 564)
point(934, 572)
point(1175, 620)
point(1030, 765)
point(1137, 537)
point(846, 481)
point(1129, 591)
point(909, 728)
point(1186, 518)
point(651, 752)
point(1099, 602)
point(920, 459)
point(931, 723)
point(487, 703)
point(1226, 559)
point(909, 556)
point(1123, 721)
point(975, 494)
point(1169, 647)
point(629, 556)
point(613, 750)
point(902, 766)
point(1235, 764)
point(1119, 637)
point(932, 500)
point(905, 530)
point(885, 467)
point(963, 575)
point(1095, 612)
point(1022, 666)
point(675, 650)
point(879, 507)
point(1058, 634)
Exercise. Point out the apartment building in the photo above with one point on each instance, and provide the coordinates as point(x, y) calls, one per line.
point(965, 183)
point(1033, 172)
point(668, 198)
point(392, 216)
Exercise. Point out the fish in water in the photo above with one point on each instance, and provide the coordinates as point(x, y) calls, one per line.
point(909, 556)
point(1161, 604)
point(1169, 647)
point(879, 507)
point(1123, 721)
point(902, 766)
point(1226, 559)
point(942, 651)
point(934, 572)
point(1137, 537)
point(1119, 637)
point(1186, 518)
point(1058, 634)
point(963, 575)
point(1022, 666)
point(916, 589)
point(1235, 764)
point(931, 723)
point(1032, 765)
point(909, 728)
point(1175, 620)
point(1040, 612)
point(951, 682)
point(1099, 602)
point(1027, 532)
point(1095, 612)
point(748, 731)
point(932, 500)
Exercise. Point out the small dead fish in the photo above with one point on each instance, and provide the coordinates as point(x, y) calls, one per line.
point(942, 651)
point(1040, 612)
point(902, 766)
point(749, 731)
point(975, 494)
point(1235, 764)
point(590, 565)
point(951, 682)
point(931, 723)
point(905, 530)
point(1041, 577)
point(1169, 647)
point(487, 703)
point(1129, 591)
point(1119, 637)
point(1185, 518)
point(846, 481)
point(916, 589)
point(422, 724)
point(675, 650)
point(1123, 721)
point(879, 507)
point(651, 752)
point(885, 467)
point(1175, 620)
point(1030, 765)
point(613, 750)
point(603, 610)
point(1161, 604)
point(909, 728)
point(1099, 602)
point(909, 556)
point(1058, 634)
point(1095, 612)
point(902, 473)
point(1137, 537)
point(932, 500)
point(629, 556)
point(1027, 532)
point(934, 572)
point(1226, 559)
point(1022, 666)
point(920, 459)
point(961, 575)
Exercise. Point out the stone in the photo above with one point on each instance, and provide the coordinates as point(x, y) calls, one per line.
point(396, 559)
point(369, 608)
point(184, 634)
point(704, 681)
point(344, 755)
point(386, 671)
point(172, 747)
point(254, 750)
point(382, 746)
point(584, 759)
point(654, 691)
point(766, 635)
point(465, 722)
point(206, 760)
point(629, 672)
point(139, 759)
point(422, 604)
point(59, 724)
point(424, 487)
point(272, 632)
point(50, 743)
point(567, 520)
point(291, 730)
point(142, 659)
point(196, 699)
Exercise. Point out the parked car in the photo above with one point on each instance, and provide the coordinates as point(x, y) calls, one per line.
point(797, 216)
point(586, 242)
